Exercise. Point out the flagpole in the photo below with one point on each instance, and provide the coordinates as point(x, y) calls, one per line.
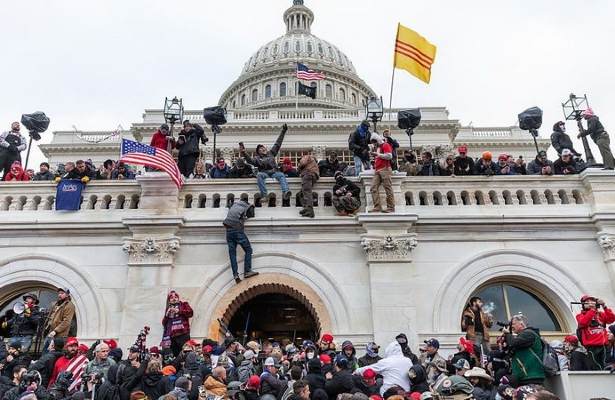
point(296, 85)
point(393, 76)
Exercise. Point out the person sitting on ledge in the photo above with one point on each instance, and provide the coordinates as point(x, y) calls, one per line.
point(566, 164)
point(220, 171)
point(241, 170)
point(540, 165)
point(264, 160)
point(346, 196)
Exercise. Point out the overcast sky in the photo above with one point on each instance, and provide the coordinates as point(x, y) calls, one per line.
point(96, 64)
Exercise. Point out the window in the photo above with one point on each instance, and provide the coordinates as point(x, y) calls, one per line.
point(243, 99)
point(275, 49)
point(286, 47)
point(320, 50)
point(268, 91)
point(328, 91)
point(297, 46)
point(234, 104)
point(309, 47)
point(503, 300)
point(254, 95)
point(282, 89)
point(354, 98)
point(342, 95)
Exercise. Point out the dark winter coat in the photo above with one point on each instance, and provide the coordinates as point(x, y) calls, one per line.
point(109, 390)
point(217, 173)
point(245, 172)
point(271, 384)
point(367, 360)
point(47, 176)
point(341, 382)
point(23, 325)
point(45, 364)
point(155, 385)
point(561, 141)
point(191, 140)
point(559, 166)
point(363, 387)
point(358, 142)
point(428, 169)
point(484, 393)
point(419, 383)
point(315, 376)
point(579, 360)
point(347, 186)
point(490, 169)
point(463, 166)
point(266, 163)
point(328, 168)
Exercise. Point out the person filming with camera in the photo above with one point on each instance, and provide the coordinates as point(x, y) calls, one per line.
point(592, 322)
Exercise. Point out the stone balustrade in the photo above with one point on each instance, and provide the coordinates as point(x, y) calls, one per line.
point(412, 194)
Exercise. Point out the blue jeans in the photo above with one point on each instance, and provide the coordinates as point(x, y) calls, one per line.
point(262, 185)
point(24, 342)
point(358, 163)
point(236, 237)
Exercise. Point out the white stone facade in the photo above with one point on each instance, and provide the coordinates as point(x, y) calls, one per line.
point(365, 278)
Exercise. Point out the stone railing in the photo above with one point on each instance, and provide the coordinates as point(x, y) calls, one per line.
point(492, 132)
point(414, 195)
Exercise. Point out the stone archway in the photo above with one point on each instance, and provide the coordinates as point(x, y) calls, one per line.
point(55, 272)
point(268, 283)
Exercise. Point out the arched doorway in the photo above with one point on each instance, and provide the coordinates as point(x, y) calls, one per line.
point(286, 298)
point(274, 317)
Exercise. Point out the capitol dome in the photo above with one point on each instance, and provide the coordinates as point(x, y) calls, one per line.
point(268, 77)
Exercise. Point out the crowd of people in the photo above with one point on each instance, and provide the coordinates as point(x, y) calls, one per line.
point(514, 366)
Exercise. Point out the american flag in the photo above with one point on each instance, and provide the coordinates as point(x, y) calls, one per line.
point(304, 73)
point(142, 154)
point(77, 366)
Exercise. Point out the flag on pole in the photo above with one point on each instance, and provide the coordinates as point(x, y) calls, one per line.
point(307, 90)
point(142, 154)
point(414, 53)
point(306, 74)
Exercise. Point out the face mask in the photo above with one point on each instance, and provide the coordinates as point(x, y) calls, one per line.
point(563, 128)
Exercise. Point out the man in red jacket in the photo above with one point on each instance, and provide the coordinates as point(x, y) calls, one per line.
point(162, 139)
point(592, 326)
point(382, 175)
point(70, 352)
point(176, 323)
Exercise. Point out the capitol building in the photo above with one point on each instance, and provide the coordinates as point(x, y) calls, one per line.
point(530, 244)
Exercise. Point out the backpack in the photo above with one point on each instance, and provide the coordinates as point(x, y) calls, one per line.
point(549, 360)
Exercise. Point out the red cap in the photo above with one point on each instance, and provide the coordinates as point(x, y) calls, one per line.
point(327, 338)
point(207, 349)
point(415, 396)
point(192, 343)
point(462, 149)
point(503, 157)
point(467, 345)
point(254, 382)
point(586, 297)
point(572, 339)
point(154, 350)
point(369, 374)
point(325, 359)
point(72, 341)
point(111, 343)
point(83, 348)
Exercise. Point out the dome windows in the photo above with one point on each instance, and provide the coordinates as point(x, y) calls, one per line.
point(243, 99)
point(254, 95)
point(342, 95)
point(320, 50)
point(297, 47)
point(353, 98)
point(310, 49)
point(286, 47)
point(283, 89)
point(328, 91)
point(268, 91)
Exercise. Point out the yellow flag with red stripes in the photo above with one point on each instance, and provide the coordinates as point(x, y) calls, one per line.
point(414, 53)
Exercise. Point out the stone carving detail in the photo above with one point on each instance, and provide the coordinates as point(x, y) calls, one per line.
point(389, 248)
point(151, 251)
point(607, 242)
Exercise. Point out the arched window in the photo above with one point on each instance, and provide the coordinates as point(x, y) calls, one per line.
point(286, 47)
point(342, 95)
point(320, 50)
point(310, 49)
point(282, 89)
point(234, 104)
point(328, 91)
point(297, 46)
point(275, 49)
point(254, 95)
point(354, 98)
point(243, 99)
point(503, 300)
point(268, 91)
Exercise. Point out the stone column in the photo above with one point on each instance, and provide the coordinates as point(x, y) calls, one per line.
point(388, 243)
point(151, 253)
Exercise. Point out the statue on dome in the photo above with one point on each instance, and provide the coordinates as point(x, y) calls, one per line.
point(297, 2)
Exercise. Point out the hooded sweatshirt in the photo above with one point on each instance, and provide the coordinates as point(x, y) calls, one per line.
point(19, 175)
point(419, 383)
point(393, 368)
point(179, 324)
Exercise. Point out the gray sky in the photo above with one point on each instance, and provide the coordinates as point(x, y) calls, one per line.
point(95, 64)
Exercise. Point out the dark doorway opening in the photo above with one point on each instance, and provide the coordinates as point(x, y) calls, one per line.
point(274, 317)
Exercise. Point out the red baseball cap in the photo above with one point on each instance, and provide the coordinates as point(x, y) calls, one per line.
point(72, 341)
point(369, 374)
point(572, 339)
point(154, 350)
point(325, 359)
point(111, 343)
point(207, 349)
point(327, 338)
point(254, 382)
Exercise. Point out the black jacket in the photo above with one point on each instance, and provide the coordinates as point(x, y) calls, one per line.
point(561, 141)
point(367, 360)
point(190, 144)
point(245, 172)
point(419, 383)
point(359, 144)
point(45, 364)
point(579, 361)
point(464, 166)
point(47, 176)
point(25, 325)
point(22, 359)
point(559, 166)
point(271, 384)
point(341, 382)
point(361, 386)
point(267, 162)
point(428, 169)
point(346, 186)
point(328, 168)
point(155, 385)
point(315, 377)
